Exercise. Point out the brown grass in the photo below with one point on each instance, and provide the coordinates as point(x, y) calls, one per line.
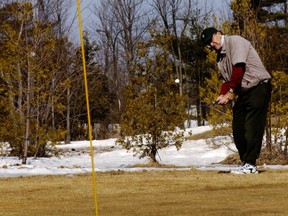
point(148, 193)
point(267, 157)
point(273, 157)
point(203, 135)
point(223, 131)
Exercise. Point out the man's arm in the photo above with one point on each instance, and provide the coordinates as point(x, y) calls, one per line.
point(227, 88)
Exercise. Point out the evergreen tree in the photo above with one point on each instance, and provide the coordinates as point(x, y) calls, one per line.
point(26, 64)
point(154, 108)
point(195, 69)
point(218, 116)
point(265, 24)
point(279, 110)
point(274, 14)
point(100, 97)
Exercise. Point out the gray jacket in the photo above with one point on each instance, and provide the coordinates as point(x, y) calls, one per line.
point(235, 50)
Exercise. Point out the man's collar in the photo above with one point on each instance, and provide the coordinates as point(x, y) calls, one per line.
point(223, 47)
point(222, 40)
point(222, 52)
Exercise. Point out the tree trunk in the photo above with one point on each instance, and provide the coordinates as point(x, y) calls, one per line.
point(286, 144)
point(27, 129)
point(68, 129)
point(269, 130)
point(153, 153)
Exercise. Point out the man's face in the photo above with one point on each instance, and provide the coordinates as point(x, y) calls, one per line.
point(215, 42)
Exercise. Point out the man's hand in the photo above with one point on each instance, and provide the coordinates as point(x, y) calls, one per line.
point(224, 99)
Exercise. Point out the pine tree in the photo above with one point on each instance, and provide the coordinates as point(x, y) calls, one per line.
point(264, 23)
point(27, 66)
point(218, 116)
point(100, 95)
point(245, 23)
point(154, 108)
point(279, 110)
point(274, 14)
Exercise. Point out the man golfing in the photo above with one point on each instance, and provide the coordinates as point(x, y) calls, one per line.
point(244, 75)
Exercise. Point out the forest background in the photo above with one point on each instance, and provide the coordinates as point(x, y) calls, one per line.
point(134, 50)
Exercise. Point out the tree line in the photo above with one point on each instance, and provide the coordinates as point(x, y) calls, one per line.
point(134, 50)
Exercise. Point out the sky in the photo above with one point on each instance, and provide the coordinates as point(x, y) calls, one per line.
point(199, 154)
point(86, 14)
point(88, 18)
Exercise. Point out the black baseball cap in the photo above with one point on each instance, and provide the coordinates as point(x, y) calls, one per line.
point(207, 34)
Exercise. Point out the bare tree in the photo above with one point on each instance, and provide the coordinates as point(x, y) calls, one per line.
point(122, 23)
point(176, 16)
point(56, 12)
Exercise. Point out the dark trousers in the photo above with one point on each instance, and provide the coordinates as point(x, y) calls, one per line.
point(249, 119)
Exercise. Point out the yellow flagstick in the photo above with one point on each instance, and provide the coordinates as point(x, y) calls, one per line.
point(88, 107)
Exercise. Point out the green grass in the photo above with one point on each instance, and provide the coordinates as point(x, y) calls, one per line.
point(156, 193)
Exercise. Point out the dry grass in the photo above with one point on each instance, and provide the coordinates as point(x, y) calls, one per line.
point(157, 193)
point(152, 164)
point(223, 131)
point(273, 157)
point(267, 157)
point(204, 135)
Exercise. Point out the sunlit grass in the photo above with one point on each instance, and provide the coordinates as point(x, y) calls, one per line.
point(148, 193)
point(223, 131)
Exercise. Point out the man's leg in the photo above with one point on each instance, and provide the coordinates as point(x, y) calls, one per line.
point(238, 127)
point(257, 103)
